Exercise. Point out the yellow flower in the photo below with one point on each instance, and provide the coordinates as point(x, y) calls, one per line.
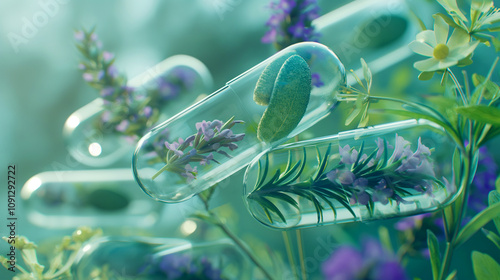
point(444, 52)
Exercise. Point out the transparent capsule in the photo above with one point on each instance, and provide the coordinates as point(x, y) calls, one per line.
point(160, 258)
point(96, 137)
point(263, 107)
point(377, 31)
point(396, 169)
point(101, 198)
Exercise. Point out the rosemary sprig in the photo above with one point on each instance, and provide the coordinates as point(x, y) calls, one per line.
point(357, 179)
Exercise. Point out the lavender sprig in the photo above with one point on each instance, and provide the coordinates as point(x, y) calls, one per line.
point(210, 138)
point(290, 23)
point(128, 111)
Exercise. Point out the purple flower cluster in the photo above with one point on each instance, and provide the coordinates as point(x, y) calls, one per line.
point(210, 138)
point(413, 232)
point(373, 178)
point(128, 111)
point(371, 262)
point(290, 23)
point(178, 266)
point(484, 181)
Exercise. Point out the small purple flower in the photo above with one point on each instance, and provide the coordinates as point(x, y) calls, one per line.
point(298, 30)
point(381, 147)
point(371, 262)
point(106, 116)
point(316, 80)
point(189, 172)
point(382, 193)
point(112, 71)
point(348, 155)
point(81, 66)
point(88, 77)
point(269, 37)
point(207, 159)
point(122, 126)
point(94, 37)
point(100, 75)
point(174, 148)
point(168, 90)
point(107, 92)
point(483, 182)
point(345, 177)
point(401, 148)
point(79, 36)
point(275, 20)
point(107, 56)
point(147, 111)
point(411, 222)
point(291, 23)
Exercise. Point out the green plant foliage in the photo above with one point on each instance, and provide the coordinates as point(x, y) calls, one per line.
point(265, 84)
point(485, 267)
point(289, 99)
point(435, 257)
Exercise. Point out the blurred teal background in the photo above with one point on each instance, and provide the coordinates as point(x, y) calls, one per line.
point(40, 86)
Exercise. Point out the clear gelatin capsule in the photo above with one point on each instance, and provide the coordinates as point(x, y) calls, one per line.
point(95, 137)
point(101, 198)
point(159, 258)
point(377, 31)
point(261, 108)
point(396, 169)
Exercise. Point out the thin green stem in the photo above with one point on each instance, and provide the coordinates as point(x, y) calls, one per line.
point(288, 247)
point(164, 168)
point(235, 239)
point(445, 266)
point(301, 254)
point(451, 131)
point(457, 84)
point(465, 182)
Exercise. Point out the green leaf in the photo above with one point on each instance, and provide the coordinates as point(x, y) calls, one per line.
point(264, 175)
point(494, 29)
point(433, 245)
point(492, 236)
point(367, 74)
point(448, 20)
point(485, 267)
point(497, 184)
point(385, 238)
point(452, 275)
point(452, 8)
point(494, 198)
point(496, 43)
point(425, 76)
point(289, 100)
point(487, 88)
point(356, 109)
point(322, 162)
point(481, 5)
point(265, 84)
point(268, 205)
point(479, 221)
point(481, 113)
